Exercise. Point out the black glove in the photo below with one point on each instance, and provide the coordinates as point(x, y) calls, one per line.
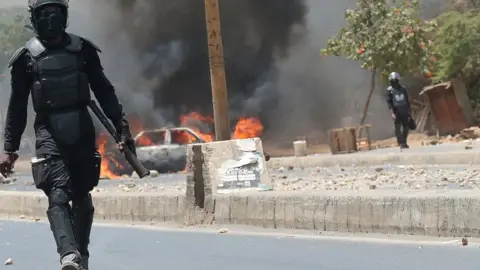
point(126, 139)
point(7, 162)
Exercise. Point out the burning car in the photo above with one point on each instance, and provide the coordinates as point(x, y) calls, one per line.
point(163, 150)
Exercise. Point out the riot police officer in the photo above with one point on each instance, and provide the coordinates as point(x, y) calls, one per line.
point(399, 105)
point(59, 69)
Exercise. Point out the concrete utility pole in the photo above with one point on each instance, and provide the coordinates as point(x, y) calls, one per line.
point(217, 71)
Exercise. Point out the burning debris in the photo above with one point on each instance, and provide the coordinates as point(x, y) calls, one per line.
point(152, 144)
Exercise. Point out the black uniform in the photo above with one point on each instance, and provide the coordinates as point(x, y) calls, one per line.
point(398, 103)
point(67, 165)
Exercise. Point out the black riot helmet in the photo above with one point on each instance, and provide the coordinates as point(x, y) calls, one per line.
point(394, 78)
point(49, 18)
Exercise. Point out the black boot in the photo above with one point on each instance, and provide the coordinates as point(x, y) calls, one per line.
point(83, 212)
point(62, 229)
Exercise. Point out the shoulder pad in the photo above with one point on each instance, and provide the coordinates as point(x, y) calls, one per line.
point(16, 55)
point(35, 47)
point(75, 43)
point(390, 88)
point(89, 42)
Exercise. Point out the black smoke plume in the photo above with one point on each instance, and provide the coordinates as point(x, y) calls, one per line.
point(169, 38)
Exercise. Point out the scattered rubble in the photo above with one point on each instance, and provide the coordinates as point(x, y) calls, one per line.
point(292, 178)
point(470, 133)
point(386, 177)
point(9, 261)
point(223, 230)
point(377, 178)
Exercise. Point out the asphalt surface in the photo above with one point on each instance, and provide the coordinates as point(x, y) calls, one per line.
point(30, 245)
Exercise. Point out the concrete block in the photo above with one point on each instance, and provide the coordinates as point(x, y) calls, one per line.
point(227, 166)
point(280, 214)
point(238, 209)
point(399, 217)
point(474, 217)
point(181, 209)
point(341, 217)
point(331, 214)
point(365, 216)
point(449, 214)
point(417, 216)
point(222, 209)
point(150, 209)
point(431, 217)
point(354, 213)
point(255, 210)
point(336, 214)
point(462, 217)
point(319, 212)
point(260, 210)
point(304, 212)
point(269, 212)
point(289, 211)
point(446, 208)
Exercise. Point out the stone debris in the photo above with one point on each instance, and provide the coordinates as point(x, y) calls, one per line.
point(385, 177)
point(470, 133)
point(223, 230)
point(355, 178)
point(9, 261)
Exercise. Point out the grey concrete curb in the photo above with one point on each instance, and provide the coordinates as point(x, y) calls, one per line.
point(375, 159)
point(432, 213)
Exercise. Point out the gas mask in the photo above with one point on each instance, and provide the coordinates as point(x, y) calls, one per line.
point(395, 83)
point(50, 22)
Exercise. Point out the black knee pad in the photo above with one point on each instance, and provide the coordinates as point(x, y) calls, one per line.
point(58, 197)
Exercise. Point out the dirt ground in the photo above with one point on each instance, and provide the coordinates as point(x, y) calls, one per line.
point(414, 140)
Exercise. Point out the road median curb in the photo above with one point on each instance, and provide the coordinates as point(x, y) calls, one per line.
point(375, 159)
point(448, 214)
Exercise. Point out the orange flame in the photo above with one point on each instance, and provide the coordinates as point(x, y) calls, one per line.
point(193, 120)
point(107, 158)
point(248, 128)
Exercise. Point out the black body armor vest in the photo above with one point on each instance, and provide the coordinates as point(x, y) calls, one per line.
point(399, 97)
point(60, 89)
point(59, 80)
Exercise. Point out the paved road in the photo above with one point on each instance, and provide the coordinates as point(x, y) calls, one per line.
point(31, 247)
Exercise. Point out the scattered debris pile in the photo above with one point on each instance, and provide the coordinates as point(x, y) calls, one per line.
point(470, 133)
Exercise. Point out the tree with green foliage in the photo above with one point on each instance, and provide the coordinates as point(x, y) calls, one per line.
point(385, 38)
point(457, 44)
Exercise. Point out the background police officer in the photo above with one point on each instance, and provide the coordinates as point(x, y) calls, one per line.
point(59, 69)
point(399, 105)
